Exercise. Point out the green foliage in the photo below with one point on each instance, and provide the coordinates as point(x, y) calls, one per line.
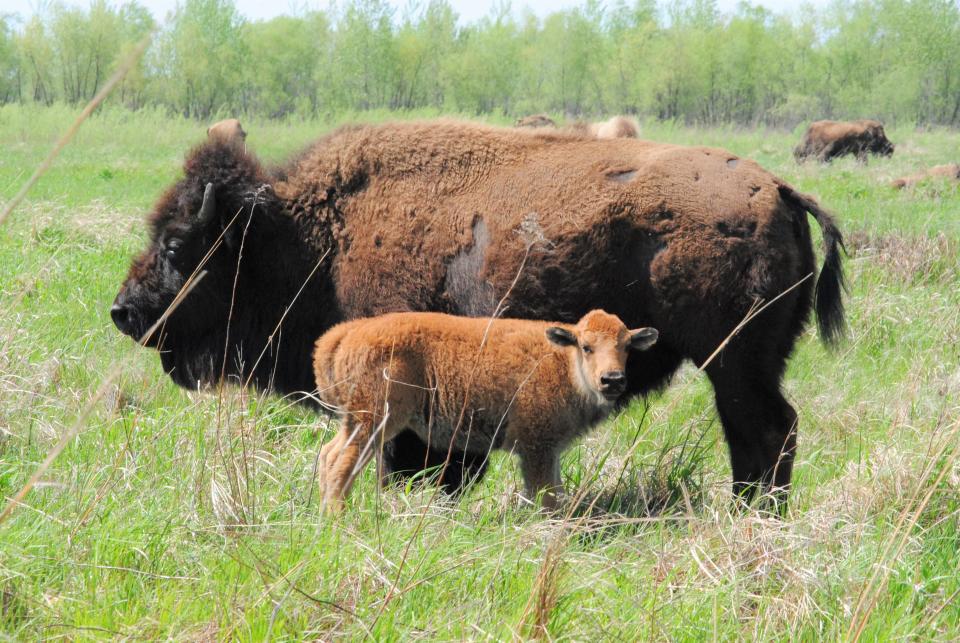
point(683, 60)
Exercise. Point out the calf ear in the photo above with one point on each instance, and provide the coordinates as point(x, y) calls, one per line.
point(561, 336)
point(643, 338)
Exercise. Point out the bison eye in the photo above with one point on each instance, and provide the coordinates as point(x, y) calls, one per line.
point(587, 349)
point(171, 247)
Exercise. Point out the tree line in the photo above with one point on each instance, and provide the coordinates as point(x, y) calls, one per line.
point(898, 60)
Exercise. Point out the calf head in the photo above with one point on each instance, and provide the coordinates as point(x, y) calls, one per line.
point(196, 230)
point(600, 343)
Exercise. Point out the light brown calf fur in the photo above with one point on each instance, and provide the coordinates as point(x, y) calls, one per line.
point(949, 171)
point(525, 386)
point(228, 131)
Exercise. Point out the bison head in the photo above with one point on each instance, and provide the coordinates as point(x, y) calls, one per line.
point(189, 286)
point(878, 142)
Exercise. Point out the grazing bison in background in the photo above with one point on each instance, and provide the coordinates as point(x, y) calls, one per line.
point(528, 387)
point(826, 140)
point(948, 171)
point(228, 131)
point(457, 217)
point(536, 120)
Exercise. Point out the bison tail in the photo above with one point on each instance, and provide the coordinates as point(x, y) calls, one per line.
point(831, 284)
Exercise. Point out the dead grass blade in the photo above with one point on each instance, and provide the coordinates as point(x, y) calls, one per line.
point(944, 457)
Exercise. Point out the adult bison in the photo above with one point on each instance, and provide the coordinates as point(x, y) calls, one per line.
point(470, 219)
point(228, 130)
point(826, 140)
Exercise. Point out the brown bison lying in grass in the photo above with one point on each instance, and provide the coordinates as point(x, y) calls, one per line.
point(616, 127)
point(228, 130)
point(826, 140)
point(468, 219)
point(948, 171)
point(535, 120)
point(470, 384)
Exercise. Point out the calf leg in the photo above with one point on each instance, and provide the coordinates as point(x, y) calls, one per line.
point(761, 431)
point(541, 473)
point(342, 458)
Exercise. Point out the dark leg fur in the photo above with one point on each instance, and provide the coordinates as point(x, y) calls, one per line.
point(761, 431)
point(405, 455)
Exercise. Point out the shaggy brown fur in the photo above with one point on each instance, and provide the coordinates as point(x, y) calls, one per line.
point(949, 171)
point(476, 384)
point(228, 130)
point(536, 120)
point(455, 217)
point(826, 140)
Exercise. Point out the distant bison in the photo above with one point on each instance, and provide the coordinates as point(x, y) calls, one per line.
point(527, 387)
point(616, 127)
point(826, 140)
point(949, 171)
point(228, 130)
point(468, 219)
point(536, 120)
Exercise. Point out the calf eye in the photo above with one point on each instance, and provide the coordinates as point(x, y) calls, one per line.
point(587, 348)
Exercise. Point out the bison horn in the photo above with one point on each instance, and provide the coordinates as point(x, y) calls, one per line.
point(209, 207)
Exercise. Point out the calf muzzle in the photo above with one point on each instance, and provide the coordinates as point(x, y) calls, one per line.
point(613, 384)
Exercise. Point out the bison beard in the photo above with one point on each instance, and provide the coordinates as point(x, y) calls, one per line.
point(451, 217)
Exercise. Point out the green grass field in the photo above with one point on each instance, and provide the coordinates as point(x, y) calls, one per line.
point(195, 517)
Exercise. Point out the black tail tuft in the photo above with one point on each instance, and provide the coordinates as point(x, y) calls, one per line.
point(831, 284)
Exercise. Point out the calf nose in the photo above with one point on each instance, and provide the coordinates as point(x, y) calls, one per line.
point(614, 380)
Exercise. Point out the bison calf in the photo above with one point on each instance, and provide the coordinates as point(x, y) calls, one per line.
point(525, 386)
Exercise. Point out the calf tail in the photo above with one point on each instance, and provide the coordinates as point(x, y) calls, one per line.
point(323, 358)
point(831, 284)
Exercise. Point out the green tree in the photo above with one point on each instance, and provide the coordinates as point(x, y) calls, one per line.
point(200, 59)
point(9, 61)
point(279, 77)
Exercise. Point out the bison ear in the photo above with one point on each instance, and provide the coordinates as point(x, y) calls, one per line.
point(643, 338)
point(561, 336)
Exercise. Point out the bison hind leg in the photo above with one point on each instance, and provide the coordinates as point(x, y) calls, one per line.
point(761, 431)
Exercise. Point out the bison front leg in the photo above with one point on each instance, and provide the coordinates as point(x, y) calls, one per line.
point(541, 475)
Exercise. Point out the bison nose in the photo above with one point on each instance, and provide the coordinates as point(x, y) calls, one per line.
point(120, 313)
point(613, 380)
